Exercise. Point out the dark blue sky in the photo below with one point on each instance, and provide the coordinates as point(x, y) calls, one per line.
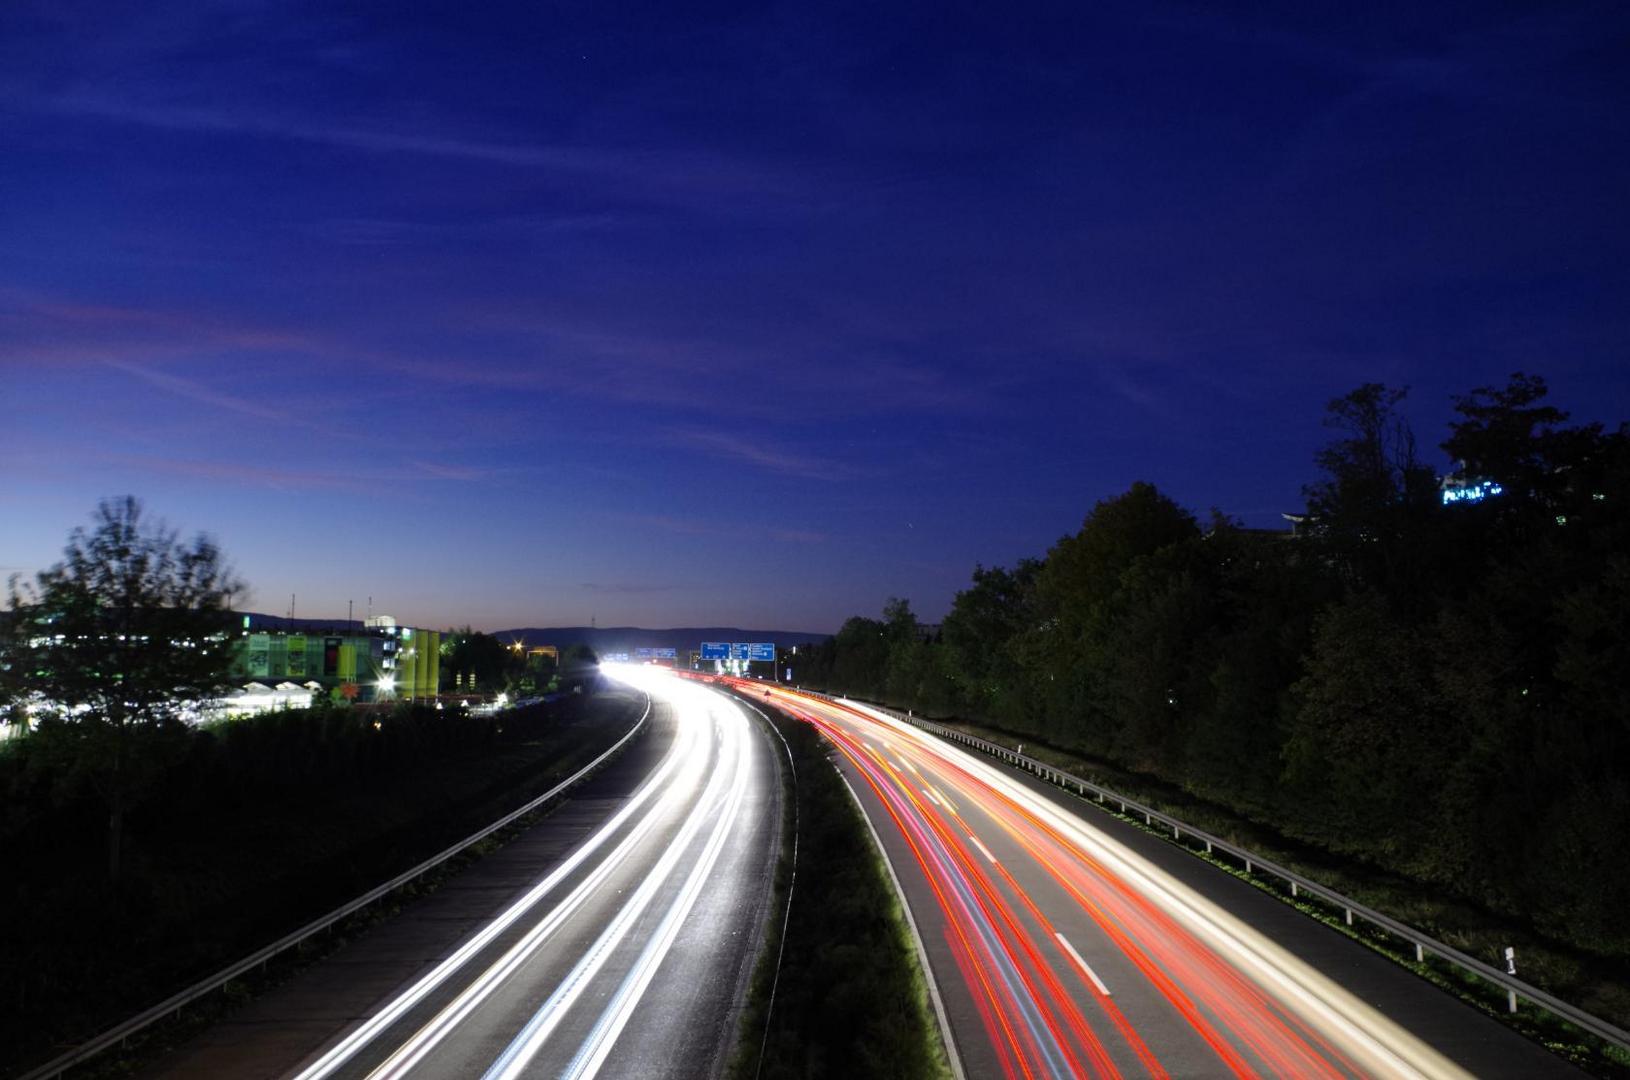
point(525, 314)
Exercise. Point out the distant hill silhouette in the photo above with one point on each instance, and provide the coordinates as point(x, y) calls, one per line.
point(602, 639)
point(625, 639)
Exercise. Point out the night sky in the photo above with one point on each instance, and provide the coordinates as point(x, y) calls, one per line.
point(526, 314)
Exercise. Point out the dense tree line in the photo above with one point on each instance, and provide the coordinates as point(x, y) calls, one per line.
point(1439, 688)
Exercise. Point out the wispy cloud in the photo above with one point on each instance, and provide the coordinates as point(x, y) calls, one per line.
point(191, 388)
point(241, 121)
point(761, 455)
point(621, 588)
point(733, 530)
point(679, 525)
point(798, 536)
point(394, 232)
point(442, 471)
point(695, 178)
point(241, 474)
point(51, 330)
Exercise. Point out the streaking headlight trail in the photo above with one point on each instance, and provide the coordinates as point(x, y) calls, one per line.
point(555, 978)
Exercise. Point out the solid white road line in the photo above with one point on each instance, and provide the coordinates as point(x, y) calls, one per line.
point(1091, 974)
point(983, 849)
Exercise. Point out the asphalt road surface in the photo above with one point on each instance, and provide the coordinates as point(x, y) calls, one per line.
point(1063, 942)
point(616, 938)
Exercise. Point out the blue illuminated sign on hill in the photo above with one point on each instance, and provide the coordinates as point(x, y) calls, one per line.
point(1472, 492)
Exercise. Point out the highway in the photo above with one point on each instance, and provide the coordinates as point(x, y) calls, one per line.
point(625, 953)
point(1062, 942)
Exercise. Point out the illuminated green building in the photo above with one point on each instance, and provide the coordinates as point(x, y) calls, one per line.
point(380, 662)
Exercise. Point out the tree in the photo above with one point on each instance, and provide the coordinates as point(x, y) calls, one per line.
point(1507, 436)
point(861, 656)
point(1074, 639)
point(1376, 497)
point(909, 665)
point(1363, 749)
point(479, 662)
point(579, 668)
point(113, 647)
point(985, 622)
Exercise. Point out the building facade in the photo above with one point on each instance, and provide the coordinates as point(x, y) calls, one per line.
point(380, 662)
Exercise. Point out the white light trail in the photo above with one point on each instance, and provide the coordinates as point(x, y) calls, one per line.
point(348, 1047)
point(526, 1045)
point(593, 1054)
point(414, 1050)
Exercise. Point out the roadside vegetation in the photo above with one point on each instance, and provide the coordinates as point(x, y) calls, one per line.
point(254, 827)
point(145, 849)
point(1413, 691)
point(849, 997)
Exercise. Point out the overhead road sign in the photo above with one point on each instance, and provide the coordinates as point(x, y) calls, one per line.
point(739, 650)
point(761, 650)
point(715, 650)
point(656, 654)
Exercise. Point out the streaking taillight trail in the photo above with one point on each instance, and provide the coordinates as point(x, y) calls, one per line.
point(1209, 984)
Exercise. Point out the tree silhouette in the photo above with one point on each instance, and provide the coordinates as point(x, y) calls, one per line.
point(109, 651)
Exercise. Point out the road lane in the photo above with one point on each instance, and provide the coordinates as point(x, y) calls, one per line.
point(1065, 944)
point(628, 954)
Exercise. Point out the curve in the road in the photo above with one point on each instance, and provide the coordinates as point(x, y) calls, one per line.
point(1071, 954)
point(553, 982)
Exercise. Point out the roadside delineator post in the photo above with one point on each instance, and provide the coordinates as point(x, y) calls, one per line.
point(1511, 969)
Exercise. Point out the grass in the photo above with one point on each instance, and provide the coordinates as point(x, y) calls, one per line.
point(850, 998)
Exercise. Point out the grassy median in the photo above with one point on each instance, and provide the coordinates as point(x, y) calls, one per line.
point(849, 997)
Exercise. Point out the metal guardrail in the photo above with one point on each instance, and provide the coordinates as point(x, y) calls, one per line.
point(1425, 945)
point(176, 1002)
